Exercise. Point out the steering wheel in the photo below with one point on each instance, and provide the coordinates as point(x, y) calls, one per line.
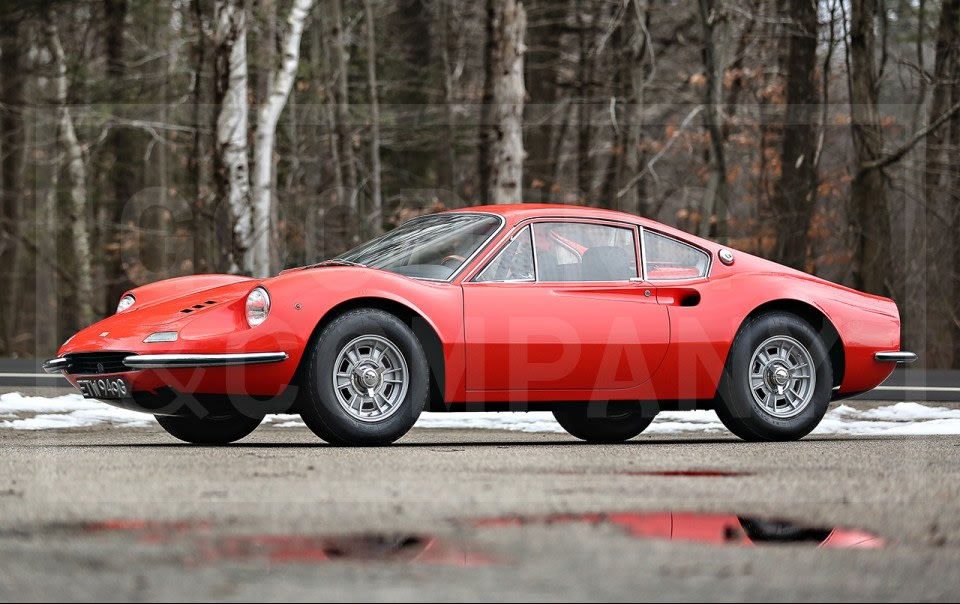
point(458, 259)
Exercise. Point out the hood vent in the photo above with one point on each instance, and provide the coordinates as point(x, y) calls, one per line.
point(197, 307)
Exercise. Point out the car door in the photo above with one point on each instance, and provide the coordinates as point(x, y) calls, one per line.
point(561, 307)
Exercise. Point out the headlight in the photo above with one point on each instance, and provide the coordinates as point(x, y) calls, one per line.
point(126, 302)
point(258, 306)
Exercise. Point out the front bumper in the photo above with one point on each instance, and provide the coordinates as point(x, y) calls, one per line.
point(180, 361)
point(896, 356)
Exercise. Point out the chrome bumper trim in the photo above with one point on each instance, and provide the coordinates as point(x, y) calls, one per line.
point(180, 361)
point(896, 356)
point(177, 361)
point(55, 365)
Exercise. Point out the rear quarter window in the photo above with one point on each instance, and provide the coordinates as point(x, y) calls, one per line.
point(669, 259)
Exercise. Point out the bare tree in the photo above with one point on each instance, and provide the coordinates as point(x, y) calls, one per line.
point(376, 210)
point(77, 171)
point(202, 239)
point(11, 171)
point(231, 166)
point(267, 118)
point(638, 67)
point(794, 200)
point(868, 191)
point(714, 208)
point(491, 26)
point(341, 97)
point(941, 197)
point(506, 179)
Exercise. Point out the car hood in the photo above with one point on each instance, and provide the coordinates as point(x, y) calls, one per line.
point(124, 330)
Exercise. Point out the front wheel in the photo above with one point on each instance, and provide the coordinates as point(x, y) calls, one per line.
point(368, 380)
point(210, 430)
point(609, 425)
point(778, 379)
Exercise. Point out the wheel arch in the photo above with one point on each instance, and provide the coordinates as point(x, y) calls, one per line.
point(817, 319)
point(422, 329)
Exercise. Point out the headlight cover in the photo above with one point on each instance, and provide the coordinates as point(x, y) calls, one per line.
point(258, 306)
point(126, 302)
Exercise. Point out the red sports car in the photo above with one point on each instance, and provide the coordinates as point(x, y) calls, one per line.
point(601, 317)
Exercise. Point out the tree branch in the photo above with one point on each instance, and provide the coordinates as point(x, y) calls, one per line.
point(666, 147)
point(886, 160)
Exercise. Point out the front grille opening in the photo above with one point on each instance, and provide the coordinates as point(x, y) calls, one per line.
point(96, 363)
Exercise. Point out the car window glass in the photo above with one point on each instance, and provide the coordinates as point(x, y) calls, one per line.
point(513, 263)
point(667, 258)
point(434, 246)
point(575, 251)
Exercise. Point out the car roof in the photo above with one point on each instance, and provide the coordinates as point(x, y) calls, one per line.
point(522, 211)
point(514, 213)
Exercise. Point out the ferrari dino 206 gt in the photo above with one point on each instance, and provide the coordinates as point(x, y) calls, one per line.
point(601, 317)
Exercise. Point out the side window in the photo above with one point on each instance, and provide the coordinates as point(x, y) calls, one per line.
point(575, 251)
point(513, 263)
point(667, 258)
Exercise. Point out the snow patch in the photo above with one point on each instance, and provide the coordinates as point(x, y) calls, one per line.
point(20, 412)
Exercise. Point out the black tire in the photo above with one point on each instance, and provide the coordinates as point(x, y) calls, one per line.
point(737, 408)
point(210, 430)
point(609, 425)
point(318, 404)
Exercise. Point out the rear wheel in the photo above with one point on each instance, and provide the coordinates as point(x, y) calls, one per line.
point(368, 380)
point(778, 380)
point(611, 425)
point(217, 429)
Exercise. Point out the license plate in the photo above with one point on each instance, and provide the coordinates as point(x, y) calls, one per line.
point(104, 388)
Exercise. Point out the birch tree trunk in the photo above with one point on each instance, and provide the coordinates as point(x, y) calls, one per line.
point(230, 157)
point(77, 171)
point(506, 180)
point(868, 191)
point(375, 215)
point(267, 118)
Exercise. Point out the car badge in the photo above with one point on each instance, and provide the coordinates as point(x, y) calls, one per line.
point(99, 367)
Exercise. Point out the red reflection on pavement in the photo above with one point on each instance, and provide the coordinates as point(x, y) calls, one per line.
point(715, 529)
point(207, 548)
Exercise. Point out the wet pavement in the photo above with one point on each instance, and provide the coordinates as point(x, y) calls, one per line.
point(110, 514)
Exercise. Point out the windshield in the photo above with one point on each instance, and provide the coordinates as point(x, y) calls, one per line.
point(428, 247)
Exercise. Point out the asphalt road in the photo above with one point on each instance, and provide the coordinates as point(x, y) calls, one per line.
point(904, 384)
point(110, 514)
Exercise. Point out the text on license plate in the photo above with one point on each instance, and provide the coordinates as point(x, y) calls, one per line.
point(104, 388)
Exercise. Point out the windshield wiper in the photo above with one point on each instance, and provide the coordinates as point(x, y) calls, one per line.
point(337, 262)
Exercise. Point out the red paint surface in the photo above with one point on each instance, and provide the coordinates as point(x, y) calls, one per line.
point(505, 342)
